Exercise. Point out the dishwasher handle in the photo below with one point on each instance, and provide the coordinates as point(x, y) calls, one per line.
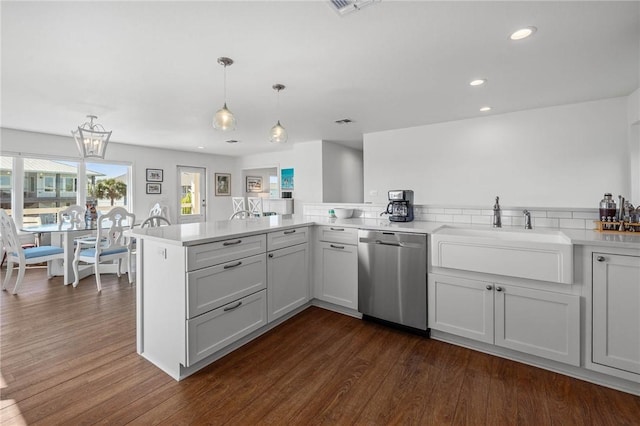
point(380, 242)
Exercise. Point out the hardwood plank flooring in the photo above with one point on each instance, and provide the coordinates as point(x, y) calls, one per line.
point(68, 357)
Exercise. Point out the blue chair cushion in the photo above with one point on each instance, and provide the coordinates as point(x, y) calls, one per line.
point(42, 251)
point(91, 252)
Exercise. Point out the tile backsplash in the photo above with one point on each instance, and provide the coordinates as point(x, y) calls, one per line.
point(540, 217)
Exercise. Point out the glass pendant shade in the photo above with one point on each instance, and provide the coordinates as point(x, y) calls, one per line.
point(224, 119)
point(278, 133)
point(92, 139)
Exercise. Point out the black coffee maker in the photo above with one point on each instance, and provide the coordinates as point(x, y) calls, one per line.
point(400, 207)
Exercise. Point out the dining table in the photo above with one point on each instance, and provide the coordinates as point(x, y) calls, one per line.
point(64, 237)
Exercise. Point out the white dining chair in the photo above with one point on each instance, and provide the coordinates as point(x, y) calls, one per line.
point(72, 217)
point(238, 204)
point(255, 206)
point(159, 210)
point(110, 244)
point(16, 254)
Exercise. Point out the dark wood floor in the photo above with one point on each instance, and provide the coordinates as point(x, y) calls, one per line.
point(68, 357)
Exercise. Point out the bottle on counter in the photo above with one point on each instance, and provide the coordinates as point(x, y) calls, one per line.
point(607, 206)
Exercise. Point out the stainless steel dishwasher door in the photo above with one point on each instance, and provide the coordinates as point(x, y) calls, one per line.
point(392, 277)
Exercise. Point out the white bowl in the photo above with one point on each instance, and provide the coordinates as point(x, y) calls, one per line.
point(343, 213)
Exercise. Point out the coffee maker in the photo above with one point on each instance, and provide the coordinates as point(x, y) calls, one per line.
point(400, 207)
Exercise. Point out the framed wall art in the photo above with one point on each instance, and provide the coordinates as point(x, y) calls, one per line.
point(286, 179)
point(154, 175)
point(154, 188)
point(223, 184)
point(254, 184)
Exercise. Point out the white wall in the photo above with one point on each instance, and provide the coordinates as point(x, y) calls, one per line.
point(141, 158)
point(306, 161)
point(634, 144)
point(342, 174)
point(563, 156)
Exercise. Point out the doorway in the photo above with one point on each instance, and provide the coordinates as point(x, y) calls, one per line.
point(192, 190)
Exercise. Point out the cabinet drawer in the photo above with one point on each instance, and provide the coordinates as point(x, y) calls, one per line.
point(212, 287)
point(210, 254)
point(289, 237)
point(338, 234)
point(214, 330)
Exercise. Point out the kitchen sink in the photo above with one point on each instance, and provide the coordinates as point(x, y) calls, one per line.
point(545, 255)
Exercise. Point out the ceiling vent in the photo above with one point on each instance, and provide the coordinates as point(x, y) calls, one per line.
point(344, 121)
point(347, 6)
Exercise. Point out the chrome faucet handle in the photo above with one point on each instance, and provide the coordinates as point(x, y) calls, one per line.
point(527, 219)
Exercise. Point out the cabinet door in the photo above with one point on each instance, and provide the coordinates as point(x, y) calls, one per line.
point(338, 268)
point(216, 329)
point(616, 311)
point(538, 322)
point(287, 280)
point(460, 306)
point(212, 287)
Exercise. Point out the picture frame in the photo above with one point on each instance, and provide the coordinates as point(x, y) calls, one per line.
point(223, 184)
point(155, 175)
point(154, 188)
point(286, 179)
point(254, 184)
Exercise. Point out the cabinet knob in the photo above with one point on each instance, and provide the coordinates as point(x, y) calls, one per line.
point(489, 287)
point(600, 259)
point(270, 254)
point(499, 288)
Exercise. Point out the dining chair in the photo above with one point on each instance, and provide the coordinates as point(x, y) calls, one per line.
point(154, 221)
point(16, 254)
point(238, 204)
point(255, 206)
point(72, 217)
point(110, 244)
point(159, 210)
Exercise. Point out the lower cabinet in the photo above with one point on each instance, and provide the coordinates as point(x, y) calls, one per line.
point(537, 322)
point(616, 311)
point(337, 274)
point(210, 332)
point(288, 279)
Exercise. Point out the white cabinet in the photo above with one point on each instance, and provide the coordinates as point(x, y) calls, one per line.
point(336, 266)
point(616, 311)
point(278, 205)
point(287, 271)
point(542, 323)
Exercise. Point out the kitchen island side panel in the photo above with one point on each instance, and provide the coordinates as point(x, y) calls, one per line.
point(163, 306)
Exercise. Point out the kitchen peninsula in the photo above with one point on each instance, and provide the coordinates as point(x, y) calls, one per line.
point(267, 270)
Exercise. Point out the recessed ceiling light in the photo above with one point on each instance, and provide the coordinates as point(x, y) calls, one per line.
point(232, 141)
point(485, 109)
point(523, 33)
point(478, 82)
point(200, 147)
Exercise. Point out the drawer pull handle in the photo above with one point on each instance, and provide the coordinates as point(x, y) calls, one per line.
point(335, 246)
point(337, 229)
point(231, 308)
point(289, 232)
point(600, 259)
point(231, 243)
point(232, 265)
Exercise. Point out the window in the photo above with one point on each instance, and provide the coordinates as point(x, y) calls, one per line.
point(273, 187)
point(6, 181)
point(107, 185)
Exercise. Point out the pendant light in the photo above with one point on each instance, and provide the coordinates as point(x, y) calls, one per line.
point(91, 138)
point(278, 133)
point(224, 119)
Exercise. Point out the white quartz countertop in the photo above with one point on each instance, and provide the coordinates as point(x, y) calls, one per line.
point(200, 233)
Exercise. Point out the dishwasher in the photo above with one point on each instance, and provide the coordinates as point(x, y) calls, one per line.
point(392, 278)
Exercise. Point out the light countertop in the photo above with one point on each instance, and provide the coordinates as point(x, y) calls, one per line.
point(200, 233)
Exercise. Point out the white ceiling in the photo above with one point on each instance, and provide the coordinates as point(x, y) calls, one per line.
point(149, 70)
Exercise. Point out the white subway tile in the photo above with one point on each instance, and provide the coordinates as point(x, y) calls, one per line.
point(462, 218)
point(487, 212)
point(517, 221)
point(573, 223)
point(505, 220)
point(453, 211)
point(512, 213)
point(538, 213)
point(561, 215)
point(429, 217)
point(435, 210)
point(444, 218)
point(472, 212)
point(586, 215)
point(484, 220)
point(541, 222)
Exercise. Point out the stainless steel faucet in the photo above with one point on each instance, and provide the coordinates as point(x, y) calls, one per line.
point(527, 219)
point(497, 219)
